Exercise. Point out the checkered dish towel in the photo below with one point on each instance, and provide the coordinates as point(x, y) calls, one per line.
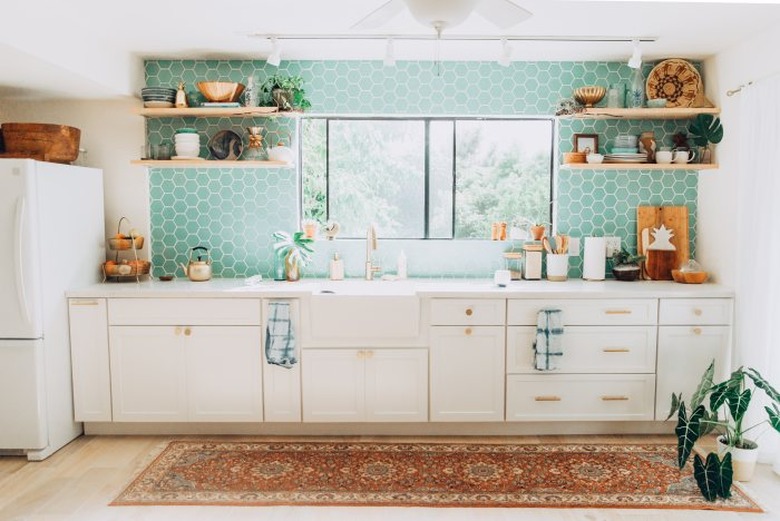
point(280, 348)
point(548, 343)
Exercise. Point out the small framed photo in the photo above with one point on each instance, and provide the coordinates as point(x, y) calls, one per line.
point(586, 143)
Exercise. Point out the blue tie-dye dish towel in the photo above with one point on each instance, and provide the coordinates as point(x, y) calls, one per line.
point(280, 348)
point(548, 343)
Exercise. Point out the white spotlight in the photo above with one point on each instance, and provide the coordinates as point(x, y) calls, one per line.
point(636, 57)
point(505, 58)
point(275, 58)
point(390, 54)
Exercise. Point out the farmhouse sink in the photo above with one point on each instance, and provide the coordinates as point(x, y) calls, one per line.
point(364, 310)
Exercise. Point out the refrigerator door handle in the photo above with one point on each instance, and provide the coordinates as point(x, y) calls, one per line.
point(21, 292)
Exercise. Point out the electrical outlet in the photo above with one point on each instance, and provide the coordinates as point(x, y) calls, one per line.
point(612, 245)
point(574, 246)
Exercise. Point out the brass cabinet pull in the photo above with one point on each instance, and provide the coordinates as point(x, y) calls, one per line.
point(469, 312)
point(614, 398)
point(618, 312)
point(369, 353)
point(697, 331)
point(467, 331)
point(187, 331)
point(177, 331)
point(84, 302)
point(547, 398)
point(616, 350)
point(697, 312)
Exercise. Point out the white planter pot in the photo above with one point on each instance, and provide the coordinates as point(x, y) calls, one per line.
point(743, 461)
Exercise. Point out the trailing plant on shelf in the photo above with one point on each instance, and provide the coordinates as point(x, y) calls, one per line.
point(285, 92)
point(728, 401)
point(294, 250)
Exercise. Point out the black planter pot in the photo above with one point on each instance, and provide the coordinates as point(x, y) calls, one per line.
point(626, 273)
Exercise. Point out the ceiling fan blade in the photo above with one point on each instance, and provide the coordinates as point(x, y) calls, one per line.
point(502, 13)
point(381, 15)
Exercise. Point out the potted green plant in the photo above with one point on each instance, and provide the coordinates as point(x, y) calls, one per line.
point(294, 250)
point(625, 266)
point(728, 403)
point(285, 92)
point(705, 130)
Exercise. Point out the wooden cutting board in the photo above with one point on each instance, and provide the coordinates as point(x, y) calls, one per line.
point(659, 264)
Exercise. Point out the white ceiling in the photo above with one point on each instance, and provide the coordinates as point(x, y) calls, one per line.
point(95, 48)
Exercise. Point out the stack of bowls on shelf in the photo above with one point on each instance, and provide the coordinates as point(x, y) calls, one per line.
point(158, 97)
point(187, 143)
point(625, 149)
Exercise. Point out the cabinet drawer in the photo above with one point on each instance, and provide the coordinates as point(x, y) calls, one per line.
point(184, 311)
point(468, 312)
point(699, 311)
point(588, 349)
point(589, 312)
point(580, 397)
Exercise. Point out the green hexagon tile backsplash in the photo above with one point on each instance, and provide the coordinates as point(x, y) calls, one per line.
point(234, 211)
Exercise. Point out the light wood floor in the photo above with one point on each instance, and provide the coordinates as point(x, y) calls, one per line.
point(79, 481)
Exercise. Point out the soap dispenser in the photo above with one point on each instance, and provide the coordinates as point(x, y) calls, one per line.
point(336, 267)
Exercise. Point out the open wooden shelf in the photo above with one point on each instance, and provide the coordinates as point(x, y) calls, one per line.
point(189, 163)
point(637, 166)
point(616, 113)
point(210, 112)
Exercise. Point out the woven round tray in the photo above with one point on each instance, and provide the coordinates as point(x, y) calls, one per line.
point(676, 80)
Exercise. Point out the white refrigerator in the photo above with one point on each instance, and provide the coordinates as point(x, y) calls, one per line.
point(52, 231)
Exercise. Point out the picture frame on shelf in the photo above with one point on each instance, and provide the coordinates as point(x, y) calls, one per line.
point(586, 143)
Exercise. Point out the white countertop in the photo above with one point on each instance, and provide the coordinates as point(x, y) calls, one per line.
point(468, 288)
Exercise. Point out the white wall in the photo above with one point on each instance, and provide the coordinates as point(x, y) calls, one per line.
point(112, 135)
point(752, 60)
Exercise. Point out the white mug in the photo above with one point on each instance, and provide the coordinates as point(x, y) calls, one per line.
point(663, 157)
point(502, 278)
point(684, 156)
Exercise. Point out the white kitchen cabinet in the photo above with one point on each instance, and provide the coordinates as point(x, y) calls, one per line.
point(148, 374)
point(90, 359)
point(684, 352)
point(467, 373)
point(224, 373)
point(376, 385)
point(186, 373)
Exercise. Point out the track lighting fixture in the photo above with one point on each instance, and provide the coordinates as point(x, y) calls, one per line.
point(275, 58)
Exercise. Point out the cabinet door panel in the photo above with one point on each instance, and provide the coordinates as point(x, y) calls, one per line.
point(396, 385)
point(148, 380)
point(89, 353)
point(588, 349)
point(333, 383)
point(684, 352)
point(467, 373)
point(586, 312)
point(224, 381)
point(695, 311)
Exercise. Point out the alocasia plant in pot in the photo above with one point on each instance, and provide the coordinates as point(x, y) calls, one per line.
point(705, 130)
point(728, 402)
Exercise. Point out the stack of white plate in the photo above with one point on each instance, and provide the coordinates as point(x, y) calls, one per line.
point(158, 97)
point(187, 143)
point(626, 158)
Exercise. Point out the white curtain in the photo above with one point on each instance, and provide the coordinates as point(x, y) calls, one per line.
point(758, 246)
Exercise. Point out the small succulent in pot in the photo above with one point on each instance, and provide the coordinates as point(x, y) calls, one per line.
point(626, 266)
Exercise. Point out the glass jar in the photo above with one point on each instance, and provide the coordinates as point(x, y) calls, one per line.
point(636, 90)
point(616, 96)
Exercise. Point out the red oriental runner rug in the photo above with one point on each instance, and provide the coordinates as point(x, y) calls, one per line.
point(421, 474)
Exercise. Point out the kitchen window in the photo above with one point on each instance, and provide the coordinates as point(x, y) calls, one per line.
point(426, 178)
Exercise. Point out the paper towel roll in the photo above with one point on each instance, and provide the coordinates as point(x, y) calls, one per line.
point(594, 261)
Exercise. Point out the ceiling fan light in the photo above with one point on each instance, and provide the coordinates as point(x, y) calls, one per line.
point(275, 58)
point(444, 13)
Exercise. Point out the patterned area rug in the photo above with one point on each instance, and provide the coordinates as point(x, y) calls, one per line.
point(420, 474)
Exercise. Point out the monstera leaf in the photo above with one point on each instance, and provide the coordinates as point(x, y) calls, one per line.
point(688, 431)
point(706, 128)
point(714, 476)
